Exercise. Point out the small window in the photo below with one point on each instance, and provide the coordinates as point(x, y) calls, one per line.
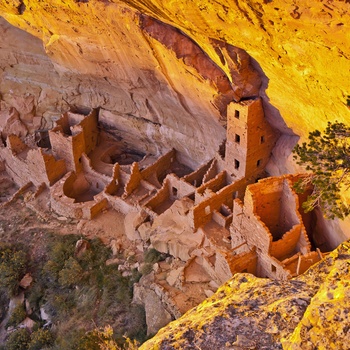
point(273, 268)
point(236, 164)
point(237, 138)
point(236, 114)
point(262, 139)
point(258, 163)
point(174, 190)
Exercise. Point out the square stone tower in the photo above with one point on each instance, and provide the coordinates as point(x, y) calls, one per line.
point(250, 139)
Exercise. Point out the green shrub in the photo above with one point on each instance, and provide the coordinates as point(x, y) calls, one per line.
point(327, 155)
point(71, 274)
point(13, 265)
point(17, 316)
point(18, 340)
point(40, 339)
point(152, 256)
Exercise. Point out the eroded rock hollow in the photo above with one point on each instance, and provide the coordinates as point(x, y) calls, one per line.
point(177, 118)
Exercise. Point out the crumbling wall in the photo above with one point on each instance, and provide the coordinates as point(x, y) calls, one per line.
point(211, 172)
point(54, 169)
point(222, 220)
point(196, 177)
point(244, 262)
point(15, 144)
point(287, 245)
point(97, 180)
point(178, 187)
point(270, 267)
point(162, 195)
point(249, 226)
point(24, 164)
point(276, 205)
point(221, 267)
point(134, 180)
point(215, 184)
point(298, 264)
point(89, 125)
point(202, 212)
point(159, 168)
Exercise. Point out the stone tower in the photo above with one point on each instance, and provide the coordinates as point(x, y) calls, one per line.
point(250, 139)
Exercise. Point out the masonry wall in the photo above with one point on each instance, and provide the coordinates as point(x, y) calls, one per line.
point(222, 268)
point(250, 139)
point(305, 262)
point(249, 226)
point(275, 204)
point(134, 180)
point(33, 165)
point(161, 196)
point(211, 172)
point(54, 169)
point(202, 212)
point(90, 131)
point(94, 178)
point(160, 167)
point(196, 177)
point(244, 262)
point(62, 147)
point(270, 267)
point(215, 184)
point(182, 188)
point(287, 245)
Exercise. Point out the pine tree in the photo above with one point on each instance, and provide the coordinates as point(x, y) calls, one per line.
point(327, 156)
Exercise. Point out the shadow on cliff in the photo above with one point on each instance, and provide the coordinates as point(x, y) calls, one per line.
point(280, 162)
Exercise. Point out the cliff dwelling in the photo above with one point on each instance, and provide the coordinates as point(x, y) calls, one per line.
point(215, 220)
point(158, 137)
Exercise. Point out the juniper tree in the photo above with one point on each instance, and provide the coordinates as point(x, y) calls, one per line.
point(327, 156)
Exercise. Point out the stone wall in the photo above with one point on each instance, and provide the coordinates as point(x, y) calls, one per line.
point(202, 212)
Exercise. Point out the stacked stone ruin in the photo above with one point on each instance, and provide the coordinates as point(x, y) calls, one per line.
point(227, 221)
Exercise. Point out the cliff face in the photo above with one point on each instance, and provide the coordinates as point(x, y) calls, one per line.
point(308, 312)
point(166, 70)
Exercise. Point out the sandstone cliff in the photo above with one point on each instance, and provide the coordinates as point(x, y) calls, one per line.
point(163, 71)
point(308, 312)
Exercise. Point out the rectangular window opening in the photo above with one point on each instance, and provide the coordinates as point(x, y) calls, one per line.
point(236, 164)
point(273, 268)
point(237, 138)
point(236, 114)
point(258, 163)
point(262, 139)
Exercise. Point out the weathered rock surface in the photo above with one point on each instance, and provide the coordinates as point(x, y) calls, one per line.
point(308, 312)
point(174, 67)
point(163, 72)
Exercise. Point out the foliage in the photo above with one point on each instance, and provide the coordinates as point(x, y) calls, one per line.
point(4, 302)
point(81, 292)
point(102, 339)
point(13, 265)
point(40, 338)
point(152, 256)
point(18, 340)
point(327, 155)
point(17, 316)
point(71, 273)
